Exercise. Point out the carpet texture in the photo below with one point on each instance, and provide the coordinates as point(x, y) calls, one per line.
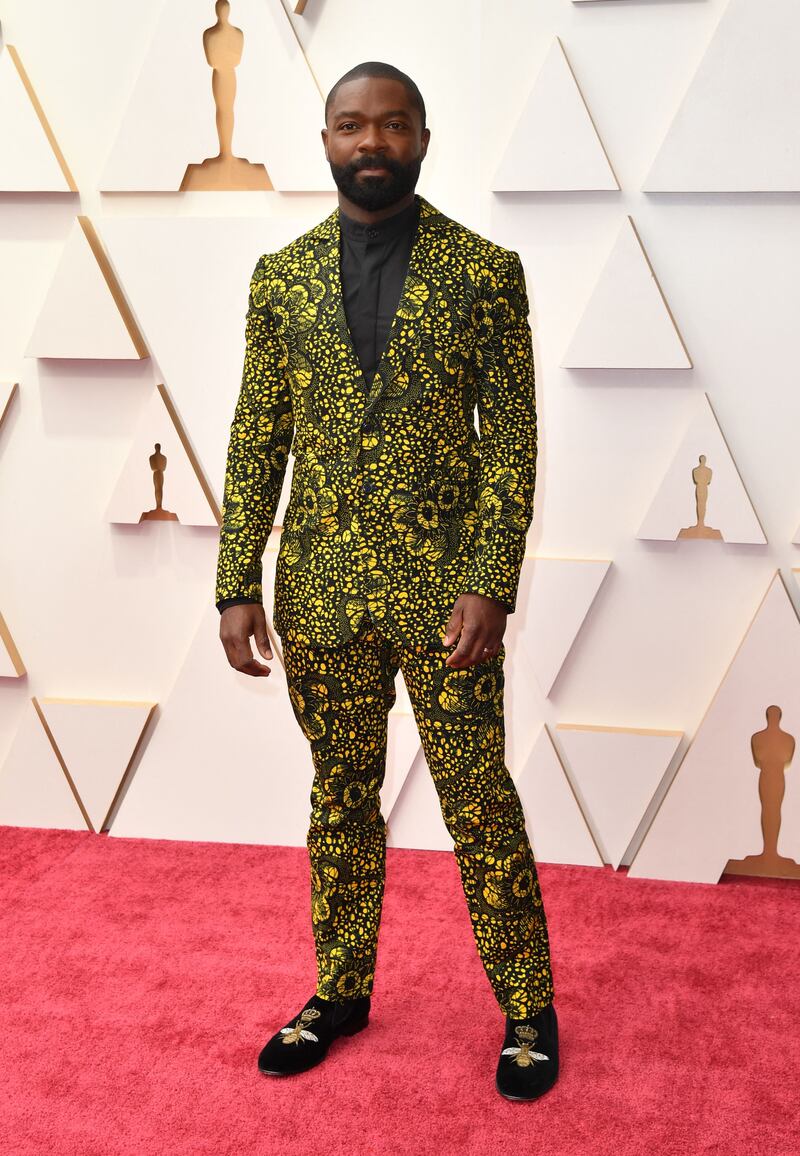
point(140, 979)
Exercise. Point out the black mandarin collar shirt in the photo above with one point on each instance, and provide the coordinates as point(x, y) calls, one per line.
point(373, 262)
point(373, 259)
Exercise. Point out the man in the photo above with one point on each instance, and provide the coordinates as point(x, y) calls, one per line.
point(370, 340)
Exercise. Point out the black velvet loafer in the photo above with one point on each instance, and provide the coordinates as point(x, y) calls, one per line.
point(528, 1064)
point(304, 1041)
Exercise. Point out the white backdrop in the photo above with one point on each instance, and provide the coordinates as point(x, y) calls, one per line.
point(113, 612)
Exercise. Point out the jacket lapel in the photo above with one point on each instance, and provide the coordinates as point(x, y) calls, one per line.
point(418, 270)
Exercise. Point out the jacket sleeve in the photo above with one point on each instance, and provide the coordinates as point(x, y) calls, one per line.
point(508, 440)
point(258, 451)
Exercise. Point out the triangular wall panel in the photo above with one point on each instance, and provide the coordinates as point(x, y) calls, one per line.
point(615, 771)
point(97, 742)
point(8, 391)
point(712, 811)
point(416, 817)
point(85, 314)
point(159, 446)
point(555, 822)
point(34, 791)
point(553, 818)
point(735, 129)
point(626, 323)
point(11, 664)
point(416, 820)
point(249, 777)
point(554, 598)
point(188, 280)
point(278, 107)
point(30, 159)
point(674, 512)
point(402, 747)
point(252, 781)
point(554, 146)
point(523, 697)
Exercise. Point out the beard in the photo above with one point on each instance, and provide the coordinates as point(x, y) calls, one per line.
point(376, 192)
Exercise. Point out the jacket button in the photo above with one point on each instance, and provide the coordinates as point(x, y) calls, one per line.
point(368, 486)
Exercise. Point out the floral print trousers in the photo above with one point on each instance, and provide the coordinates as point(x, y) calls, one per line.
point(341, 697)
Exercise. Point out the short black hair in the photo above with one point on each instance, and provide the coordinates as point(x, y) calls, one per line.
point(382, 69)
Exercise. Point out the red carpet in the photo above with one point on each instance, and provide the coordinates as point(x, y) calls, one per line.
point(140, 979)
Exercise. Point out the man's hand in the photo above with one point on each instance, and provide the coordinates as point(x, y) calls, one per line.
point(481, 622)
point(236, 625)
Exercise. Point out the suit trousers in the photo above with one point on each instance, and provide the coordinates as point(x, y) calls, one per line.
point(341, 697)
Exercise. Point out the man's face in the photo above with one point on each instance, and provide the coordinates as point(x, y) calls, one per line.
point(374, 125)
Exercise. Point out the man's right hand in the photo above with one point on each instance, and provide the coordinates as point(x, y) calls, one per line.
point(236, 625)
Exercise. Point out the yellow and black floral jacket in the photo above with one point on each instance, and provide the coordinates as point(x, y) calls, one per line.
point(397, 506)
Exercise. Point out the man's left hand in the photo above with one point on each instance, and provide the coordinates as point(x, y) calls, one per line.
point(481, 622)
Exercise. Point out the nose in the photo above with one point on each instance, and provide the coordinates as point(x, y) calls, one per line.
point(371, 141)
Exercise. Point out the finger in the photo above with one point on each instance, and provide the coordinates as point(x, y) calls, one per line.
point(240, 656)
point(261, 638)
point(470, 642)
point(453, 627)
point(246, 663)
point(258, 669)
point(475, 656)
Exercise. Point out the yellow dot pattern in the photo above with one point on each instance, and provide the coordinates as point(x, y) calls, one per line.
point(398, 504)
point(341, 697)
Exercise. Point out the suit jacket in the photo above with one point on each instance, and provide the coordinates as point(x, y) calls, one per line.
point(397, 505)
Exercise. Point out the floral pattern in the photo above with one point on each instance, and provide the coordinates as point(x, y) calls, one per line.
point(398, 504)
point(341, 697)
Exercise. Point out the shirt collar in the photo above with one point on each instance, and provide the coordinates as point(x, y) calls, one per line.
point(392, 226)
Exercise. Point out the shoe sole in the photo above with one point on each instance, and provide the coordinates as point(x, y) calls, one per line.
point(350, 1030)
point(527, 1099)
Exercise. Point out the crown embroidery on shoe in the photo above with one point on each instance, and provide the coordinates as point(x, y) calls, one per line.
point(299, 1032)
point(523, 1055)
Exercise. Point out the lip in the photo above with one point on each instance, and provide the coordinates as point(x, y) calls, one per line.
point(378, 170)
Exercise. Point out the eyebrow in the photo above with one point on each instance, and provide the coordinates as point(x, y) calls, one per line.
point(392, 112)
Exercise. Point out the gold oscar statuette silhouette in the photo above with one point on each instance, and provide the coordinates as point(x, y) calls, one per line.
point(158, 463)
point(773, 750)
point(701, 476)
point(223, 45)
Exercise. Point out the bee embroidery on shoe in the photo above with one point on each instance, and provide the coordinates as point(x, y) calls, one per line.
point(299, 1032)
point(523, 1054)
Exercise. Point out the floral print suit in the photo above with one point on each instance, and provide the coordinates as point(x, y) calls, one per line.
point(396, 505)
point(396, 508)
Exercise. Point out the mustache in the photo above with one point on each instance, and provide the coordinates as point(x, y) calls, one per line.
point(375, 163)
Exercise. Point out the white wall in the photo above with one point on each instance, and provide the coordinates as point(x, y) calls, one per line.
point(107, 612)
